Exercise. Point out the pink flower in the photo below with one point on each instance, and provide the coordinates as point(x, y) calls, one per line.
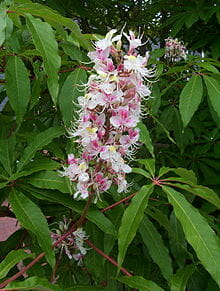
point(123, 117)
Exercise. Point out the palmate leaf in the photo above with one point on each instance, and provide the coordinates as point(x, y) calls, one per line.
point(11, 260)
point(45, 42)
point(31, 217)
point(71, 89)
point(17, 86)
point(179, 280)
point(140, 283)
point(190, 98)
point(198, 232)
point(213, 88)
point(159, 254)
point(39, 141)
point(131, 220)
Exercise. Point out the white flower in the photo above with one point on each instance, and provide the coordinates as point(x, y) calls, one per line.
point(137, 64)
point(108, 40)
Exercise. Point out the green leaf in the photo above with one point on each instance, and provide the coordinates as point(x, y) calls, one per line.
point(188, 175)
point(145, 138)
point(84, 288)
point(11, 260)
point(190, 98)
point(141, 172)
point(178, 243)
point(198, 232)
point(71, 89)
point(49, 180)
point(149, 165)
point(7, 147)
point(209, 67)
point(94, 214)
point(39, 141)
point(131, 220)
point(54, 19)
point(213, 88)
point(17, 86)
point(36, 166)
point(201, 191)
point(3, 24)
point(140, 283)
point(31, 217)
point(180, 279)
point(158, 251)
point(33, 283)
point(164, 129)
point(45, 42)
point(191, 19)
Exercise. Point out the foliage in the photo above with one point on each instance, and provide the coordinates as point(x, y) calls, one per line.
point(165, 235)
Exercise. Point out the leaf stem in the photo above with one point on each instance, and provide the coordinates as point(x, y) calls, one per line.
point(108, 258)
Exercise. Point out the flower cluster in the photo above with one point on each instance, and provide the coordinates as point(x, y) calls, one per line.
point(110, 111)
point(72, 245)
point(175, 50)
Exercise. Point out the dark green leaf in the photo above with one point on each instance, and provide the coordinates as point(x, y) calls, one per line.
point(190, 98)
point(17, 86)
point(49, 180)
point(11, 260)
point(179, 280)
point(213, 88)
point(140, 283)
point(31, 217)
point(72, 88)
point(7, 147)
point(33, 283)
point(45, 42)
point(156, 247)
point(198, 232)
point(145, 138)
point(131, 220)
point(39, 141)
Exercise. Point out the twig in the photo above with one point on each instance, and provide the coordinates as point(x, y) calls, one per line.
point(108, 258)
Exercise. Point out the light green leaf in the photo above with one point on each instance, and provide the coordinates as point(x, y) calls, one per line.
point(3, 24)
point(209, 67)
point(190, 98)
point(39, 141)
point(7, 147)
point(179, 280)
point(33, 283)
point(201, 191)
point(17, 86)
point(36, 166)
point(188, 175)
point(11, 260)
point(141, 172)
point(54, 19)
point(49, 180)
point(158, 251)
point(45, 42)
point(149, 165)
point(198, 232)
point(31, 217)
point(140, 283)
point(131, 220)
point(213, 88)
point(145, 138)
point(71, 89)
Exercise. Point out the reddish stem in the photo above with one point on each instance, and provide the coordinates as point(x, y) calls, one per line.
point(119, 202)
point(107, 258)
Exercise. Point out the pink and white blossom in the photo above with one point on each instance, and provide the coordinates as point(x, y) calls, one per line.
point(109, 113)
